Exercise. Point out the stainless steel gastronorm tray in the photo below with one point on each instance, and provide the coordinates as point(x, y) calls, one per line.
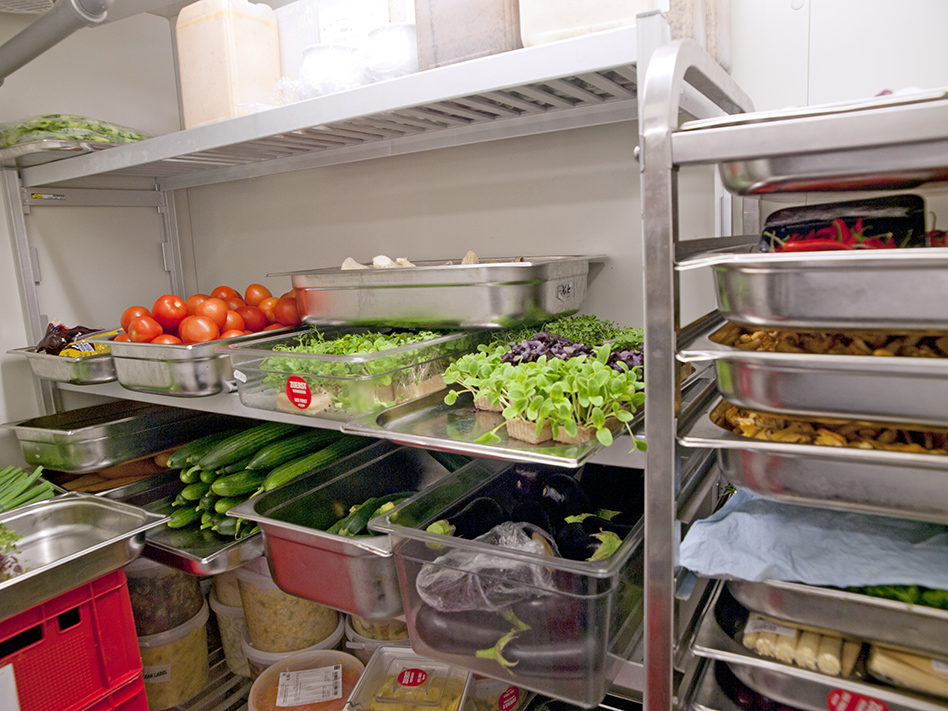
point(897, 624)
point(353, 574)
point(78, 370)
point(786, 683)
point(92, 438)
point(498, 292)
point(68, 541)
point(886, 289)
point(893, 389)
point(186, 370)
point(188, 549)
point(903, 484)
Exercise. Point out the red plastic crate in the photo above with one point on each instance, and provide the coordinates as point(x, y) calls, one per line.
point(75, 650)
point(130, 697)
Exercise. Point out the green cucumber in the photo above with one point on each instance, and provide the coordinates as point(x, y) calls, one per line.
point(183, 517)
point(187, 453)
point(245, 443)
point(234, 467)
point(206, 502)
point(227, 526)
point(190, 475)
point(225, 504)
point(207, 477)
point(365, 511)
point(283, 450)
point(310, 462)
point(238, 484)
point(193, 492)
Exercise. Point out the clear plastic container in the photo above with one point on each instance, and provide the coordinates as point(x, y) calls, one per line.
point(398, 678)
point(457, 30)
point(363, 647)
point(228, 60)
point(175, 663)
point(263, 693)
point(342, 387)
point(258, 660)
point(393, 628)
point(277, 622)
point(298, 24)
point(226, 588)
point(486, 694)
point(162, 597)
point(233, 626)
point(543, 21)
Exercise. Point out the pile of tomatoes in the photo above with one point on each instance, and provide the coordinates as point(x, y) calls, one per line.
point(205, 317)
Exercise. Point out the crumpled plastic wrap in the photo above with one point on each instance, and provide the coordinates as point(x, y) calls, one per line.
point(466, 580)
point(66, 127)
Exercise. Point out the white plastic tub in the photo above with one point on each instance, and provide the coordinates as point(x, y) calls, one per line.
point(263, 693)
point(232, 625)
point(226, 588)
point(174, 663)
point(363, 647)
point(258, 660)
point(278, 622)
point(543, 21)
point(162, 597)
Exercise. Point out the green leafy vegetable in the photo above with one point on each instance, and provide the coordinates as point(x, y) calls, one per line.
point(66, 127)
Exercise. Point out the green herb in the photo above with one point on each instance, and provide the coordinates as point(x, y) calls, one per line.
point(66, 127)
point(18, 488)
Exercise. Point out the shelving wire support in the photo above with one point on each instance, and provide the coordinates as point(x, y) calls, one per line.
point(669, 69)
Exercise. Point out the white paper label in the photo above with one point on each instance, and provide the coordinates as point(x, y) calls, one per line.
point(759, 625)
point(939, 666)
point(11, 701)
point(157, 674)
point(310, 686)
point(239, 375)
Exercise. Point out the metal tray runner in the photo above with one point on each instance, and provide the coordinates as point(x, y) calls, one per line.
point(915, 628)
point(902, 484)
point(497, 292)
point(193, 551)
point(92, 438)
point(869, 289)
point(785, 683)
point(79, 370)
point(67, 541)
point(894, 389)
point(46, 150)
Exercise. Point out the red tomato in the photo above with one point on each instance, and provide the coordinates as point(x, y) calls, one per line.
point(143, 329)
point(198, 329)
point(267, 306)
point(291, 294)
point(286, 313)
point(224, 292)
point(195, 300)
point(254, 318)
point(214, 309)
point(233, 321)
point(167, 339)
point(274, 326)
point(169, 310)
point(232, 332)
point(256, 293)
point(133, 312)
point(235, 302)
point(122, 337)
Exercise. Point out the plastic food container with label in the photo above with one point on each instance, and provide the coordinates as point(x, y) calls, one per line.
point(232, 626)
point(398, 678)
point(175, 663)
point(278, 622)
point(544, 21)
point(228, 60)
point(226, 588)
point(457, 30)
point(363, 646)
point(258, 660)
point(318, 680)
point(486, 694)
point(162, 597)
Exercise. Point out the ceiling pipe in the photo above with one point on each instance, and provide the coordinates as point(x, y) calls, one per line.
point(64, 18)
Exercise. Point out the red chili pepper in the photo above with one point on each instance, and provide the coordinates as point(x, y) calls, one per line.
point(813, 245)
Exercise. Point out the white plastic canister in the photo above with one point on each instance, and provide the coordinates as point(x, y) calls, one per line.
point(544, 21)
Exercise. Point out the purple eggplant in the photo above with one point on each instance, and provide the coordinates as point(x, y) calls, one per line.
point(532, 511)
point(563, 496)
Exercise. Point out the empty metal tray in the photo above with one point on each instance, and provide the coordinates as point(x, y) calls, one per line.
point(497, 292)
point(96, 437)
point(897, 624)
point(902, 484)
point(894, 389)
point(884, 289)
point(809, 690)
point(68, 541)
point(78, 370)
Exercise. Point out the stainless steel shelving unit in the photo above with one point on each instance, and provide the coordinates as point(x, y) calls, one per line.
point(875, 146)
point(584, 81)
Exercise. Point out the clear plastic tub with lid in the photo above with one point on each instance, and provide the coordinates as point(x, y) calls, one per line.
point(318, 680)
point(397, 679)
point(232, 626)
point(543, 21)
point(162, 597)
point(364, 646)
point(175, 662)
point(258, 660)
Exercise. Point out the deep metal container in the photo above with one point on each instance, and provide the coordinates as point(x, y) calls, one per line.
point(500, 292)
point(68, 541)
point(92, 438)
point(78, 370)
point(355, 575)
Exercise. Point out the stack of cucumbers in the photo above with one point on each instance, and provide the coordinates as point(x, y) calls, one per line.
point(226, 468)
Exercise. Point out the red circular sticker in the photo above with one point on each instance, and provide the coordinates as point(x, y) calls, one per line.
point(842, 700)
point(412, 677)
point(297, 390)
point(509, 698)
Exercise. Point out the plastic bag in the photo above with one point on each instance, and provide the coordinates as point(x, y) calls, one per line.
point(465, 580)
point(66, 127)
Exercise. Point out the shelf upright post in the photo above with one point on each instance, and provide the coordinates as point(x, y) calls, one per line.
point(659, 103)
